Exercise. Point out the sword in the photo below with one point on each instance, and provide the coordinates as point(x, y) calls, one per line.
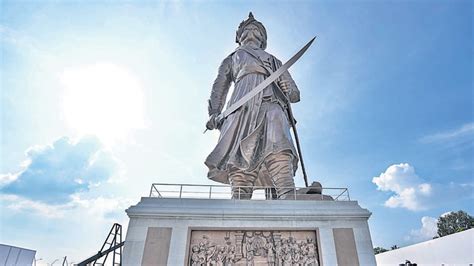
point(265, 83)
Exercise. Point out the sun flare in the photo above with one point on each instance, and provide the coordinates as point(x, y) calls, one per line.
point(104, 100)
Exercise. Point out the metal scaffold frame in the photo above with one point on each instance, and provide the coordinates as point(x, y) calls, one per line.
point(113, 243)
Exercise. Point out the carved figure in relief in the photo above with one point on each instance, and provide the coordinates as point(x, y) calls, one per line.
point(269, 247)
point(249, 251)
point(196, 260)
point(278, 254)
point(286, 258)
point(296, 257)
point(255, 147)
point(311, 252)
point(212, 262)
point(203, 253)
point(258, 244)
point(230, 259)
point(293, 245)
point(221, 256)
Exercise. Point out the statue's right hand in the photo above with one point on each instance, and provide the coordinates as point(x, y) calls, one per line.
point(213, 122)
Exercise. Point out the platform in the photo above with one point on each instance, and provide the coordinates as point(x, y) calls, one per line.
point(207, 231)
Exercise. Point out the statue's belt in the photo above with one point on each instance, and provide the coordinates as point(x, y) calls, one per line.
point(252, 69)
point(249, 69)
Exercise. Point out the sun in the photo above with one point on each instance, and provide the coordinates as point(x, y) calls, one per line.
point(102, 99)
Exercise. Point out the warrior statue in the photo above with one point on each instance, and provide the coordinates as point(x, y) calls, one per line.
point(255, 147)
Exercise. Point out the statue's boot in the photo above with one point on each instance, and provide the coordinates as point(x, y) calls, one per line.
point(242, 183)
point(280, 168)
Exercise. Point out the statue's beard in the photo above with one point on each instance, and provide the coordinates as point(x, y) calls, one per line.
point(252, 36)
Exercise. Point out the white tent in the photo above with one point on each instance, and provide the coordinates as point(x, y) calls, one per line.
point(15, 256)
point(455, 249)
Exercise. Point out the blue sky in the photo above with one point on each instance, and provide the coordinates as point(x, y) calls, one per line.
point(100, 99)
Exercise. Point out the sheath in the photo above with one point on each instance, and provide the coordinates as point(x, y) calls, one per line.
point(258, 128)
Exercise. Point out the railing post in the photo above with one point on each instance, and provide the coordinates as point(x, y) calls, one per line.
point(180, 190)
point(348, 197)
point(210, 191)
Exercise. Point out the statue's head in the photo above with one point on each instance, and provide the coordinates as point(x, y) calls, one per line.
point(251, 30)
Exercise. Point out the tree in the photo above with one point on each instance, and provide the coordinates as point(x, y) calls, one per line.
point(394, 247)
point(379, 250)
point(454, 222)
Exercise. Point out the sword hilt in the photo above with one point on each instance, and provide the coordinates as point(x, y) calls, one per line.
point(217, 122)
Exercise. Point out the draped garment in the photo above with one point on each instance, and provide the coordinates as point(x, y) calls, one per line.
point(258, 128)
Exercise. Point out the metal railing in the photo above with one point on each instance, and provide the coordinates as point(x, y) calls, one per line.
point(193, 191)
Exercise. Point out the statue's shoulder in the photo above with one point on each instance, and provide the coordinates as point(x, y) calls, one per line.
point(238, 52)
point(228, 59)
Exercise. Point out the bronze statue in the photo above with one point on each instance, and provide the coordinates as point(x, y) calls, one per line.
point(255, 147)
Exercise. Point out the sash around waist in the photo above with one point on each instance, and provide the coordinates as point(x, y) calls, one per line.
point(245, 70)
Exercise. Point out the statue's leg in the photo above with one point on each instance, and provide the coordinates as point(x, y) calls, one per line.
point(242, 183)
point(280, 167)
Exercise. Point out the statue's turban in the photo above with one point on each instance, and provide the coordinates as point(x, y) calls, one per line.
point(252, 20)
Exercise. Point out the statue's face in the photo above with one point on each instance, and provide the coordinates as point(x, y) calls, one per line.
point(251, 34)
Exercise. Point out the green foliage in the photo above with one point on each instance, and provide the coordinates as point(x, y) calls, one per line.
point(379, 250)
point(454, 222)
point(394, 247)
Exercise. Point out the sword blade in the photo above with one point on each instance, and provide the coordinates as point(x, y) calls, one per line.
point(265, 83)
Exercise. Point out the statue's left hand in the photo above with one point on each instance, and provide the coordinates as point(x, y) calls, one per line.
point(284, 86)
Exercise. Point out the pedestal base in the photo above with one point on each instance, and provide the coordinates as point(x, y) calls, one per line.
point(164, 231)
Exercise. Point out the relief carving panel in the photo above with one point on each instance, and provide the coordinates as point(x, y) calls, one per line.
point(253, 247)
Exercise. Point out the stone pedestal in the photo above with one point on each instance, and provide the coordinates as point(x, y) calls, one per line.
point(166, 231)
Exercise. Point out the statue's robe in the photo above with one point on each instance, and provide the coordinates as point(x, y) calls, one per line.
point(257, 129)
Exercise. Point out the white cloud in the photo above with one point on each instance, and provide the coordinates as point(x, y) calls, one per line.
point(456, 145)
point(53, 173)
point(428, 230)
point(100, 207)
point(7, 179)
point(20, 204)
point(409, 190)
point(464, 131)
point(52, 222)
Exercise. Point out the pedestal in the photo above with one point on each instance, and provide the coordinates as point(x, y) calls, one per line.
point(167, 231)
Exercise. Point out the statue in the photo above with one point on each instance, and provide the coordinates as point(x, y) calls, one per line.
point(255, 147)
